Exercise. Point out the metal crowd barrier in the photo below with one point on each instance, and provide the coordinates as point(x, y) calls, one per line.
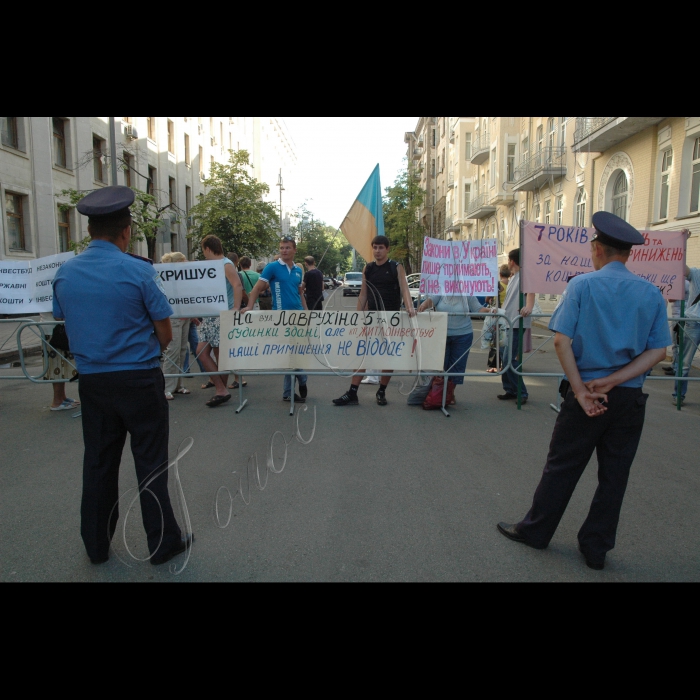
point(8, 346)
point(678, 379)
point(508, 362)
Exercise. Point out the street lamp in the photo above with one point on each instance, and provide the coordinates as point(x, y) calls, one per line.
point(280, 184)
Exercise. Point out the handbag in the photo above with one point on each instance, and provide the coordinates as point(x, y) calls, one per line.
point(420, 392)
point(437, 389)
point(59, 339)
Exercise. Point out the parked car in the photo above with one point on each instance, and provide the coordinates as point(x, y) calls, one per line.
point(352, 284)
point(328, 283)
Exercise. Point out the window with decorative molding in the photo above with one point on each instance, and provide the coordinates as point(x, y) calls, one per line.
point(666, 166)
point(620, 196)
point(695, 182)
point(581, 207)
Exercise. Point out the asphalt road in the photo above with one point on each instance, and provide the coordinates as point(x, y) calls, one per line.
point(380, 494)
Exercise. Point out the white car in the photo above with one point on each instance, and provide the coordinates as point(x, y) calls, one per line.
point(352, 284)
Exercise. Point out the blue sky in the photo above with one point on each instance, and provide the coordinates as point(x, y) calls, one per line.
point(338, 154)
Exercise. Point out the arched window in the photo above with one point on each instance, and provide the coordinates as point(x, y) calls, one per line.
point(581, 204)
point(620, 193)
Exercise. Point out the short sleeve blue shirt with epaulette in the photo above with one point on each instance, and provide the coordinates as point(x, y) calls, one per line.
point(612, 317)
point(109, 301)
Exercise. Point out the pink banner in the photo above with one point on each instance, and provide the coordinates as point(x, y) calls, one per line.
point(553, 255)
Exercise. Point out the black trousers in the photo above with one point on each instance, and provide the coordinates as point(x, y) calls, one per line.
point(113, 405)
point(615, 436)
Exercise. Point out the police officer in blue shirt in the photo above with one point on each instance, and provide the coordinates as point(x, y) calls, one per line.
point(118, 322)
point(611, 330)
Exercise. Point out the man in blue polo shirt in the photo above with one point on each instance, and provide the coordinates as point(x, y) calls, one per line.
point(118, 324)
point(286, 281)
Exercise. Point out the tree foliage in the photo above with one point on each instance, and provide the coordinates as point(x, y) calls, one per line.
point(233, 209)
point(402, 204)
point(323, 242)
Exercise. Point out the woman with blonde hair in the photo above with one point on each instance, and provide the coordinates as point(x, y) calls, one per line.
point(174, 357)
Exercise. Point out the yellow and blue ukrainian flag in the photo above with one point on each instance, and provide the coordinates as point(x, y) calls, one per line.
point(365, 221)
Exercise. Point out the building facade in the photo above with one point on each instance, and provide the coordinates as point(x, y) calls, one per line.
point(561, 170)
point(168, 157)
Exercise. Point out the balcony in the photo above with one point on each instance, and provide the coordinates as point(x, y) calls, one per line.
point(599, 134)
point(481, 148)
point(453, 225)
point(503, 196)
point(418, 153)
point(480, 207)
point(539, 169)
point(451, 181)
point(453, 137)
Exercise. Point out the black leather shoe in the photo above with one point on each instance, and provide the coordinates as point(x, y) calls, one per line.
point(507, 397)
point(511, 532)
point(98, 561)
point(304, 392)
point(595, 565)
point(160, 559)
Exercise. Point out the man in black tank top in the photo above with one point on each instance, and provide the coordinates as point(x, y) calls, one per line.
point(384, 288)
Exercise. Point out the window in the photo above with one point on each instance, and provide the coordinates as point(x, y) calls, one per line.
point(538, 212)
point(525, 150)
point(560, 210)
point(552, 131)
point(695, 187)
point(548, 212)
point(152, 181)
point(540, 145)
point(15, 206)
point(10, 132)
point(171, 137)
point(172, 191)
point(467, 197)
point(619, 201)
point(562, 131)
point(63, 231)
point(510, 174)
point(151, 122)
point(666, 165)
point(188, 157)
point(494, 166)
point(581, 200)
point(99, 170)
point(60, 156)
point(468, 147)
point(128, 166)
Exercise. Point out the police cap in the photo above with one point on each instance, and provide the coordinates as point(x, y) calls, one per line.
point(106, 202)
point(616, 232)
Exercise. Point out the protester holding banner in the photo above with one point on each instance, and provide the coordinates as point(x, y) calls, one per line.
point(460, 330)
point(118, 324)
point(175, 356)
point(611, 329)
point(209, 331)
point(514, 313)
point(384, 288)
point(692, 331)
point(286, 281)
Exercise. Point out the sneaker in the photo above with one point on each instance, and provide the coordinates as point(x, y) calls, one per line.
point(371, 380)
point(381, 398)
point(347, 400)
point(297, 399)
point(304, 392)
point(675, 401)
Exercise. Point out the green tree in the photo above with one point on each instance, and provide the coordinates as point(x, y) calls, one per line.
point(402, 204)
point(233, 209)
point(149, 221)
point(323, 242)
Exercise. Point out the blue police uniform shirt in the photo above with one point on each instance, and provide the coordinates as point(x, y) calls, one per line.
point(613, 317)
point(109, 302)
point(284, 284)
